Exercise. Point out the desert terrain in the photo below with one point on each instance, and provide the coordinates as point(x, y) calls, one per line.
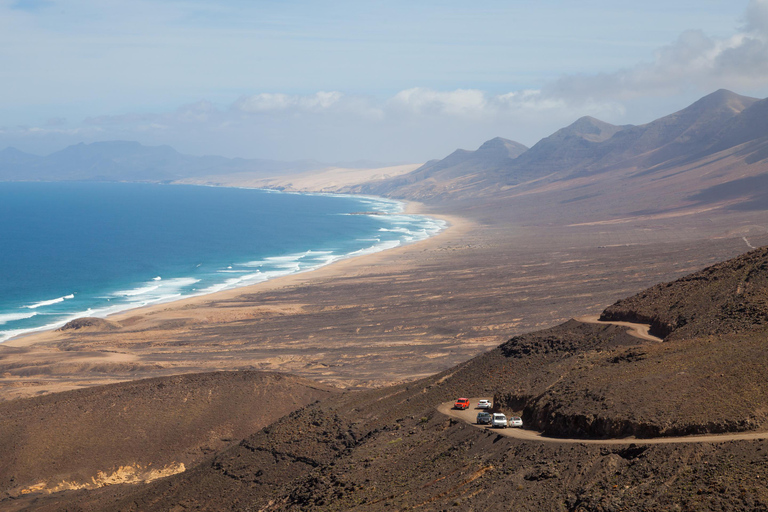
point(652, 229)
point(385, 318)
point(612, 421)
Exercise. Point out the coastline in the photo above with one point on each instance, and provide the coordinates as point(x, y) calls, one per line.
point(376, 319)
point(454, 225)
point(231, 329)
point(329, 271)
point(404, 208)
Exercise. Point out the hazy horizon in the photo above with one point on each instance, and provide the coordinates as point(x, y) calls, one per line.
point(344, 81)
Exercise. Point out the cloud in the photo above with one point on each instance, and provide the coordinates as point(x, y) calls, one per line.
point(268, 102)
point(756, 18)
point(695, 61)
point(461, 102)
point(411, 125)
point(56, 121)
point(419, 123)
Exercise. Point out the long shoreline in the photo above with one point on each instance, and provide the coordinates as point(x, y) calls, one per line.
point(301, 277)
point(452, 224)
point(376, 319)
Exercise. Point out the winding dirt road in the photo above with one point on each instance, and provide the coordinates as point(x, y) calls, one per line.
point(637, 330)
point(469, 415)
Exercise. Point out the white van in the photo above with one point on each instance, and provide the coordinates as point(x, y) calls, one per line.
point(499, 420)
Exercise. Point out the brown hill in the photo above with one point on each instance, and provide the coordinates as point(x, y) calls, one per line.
point(390, 449)
point(137, 431)
point(711, 154)
point(727, 298)
point(460, 167)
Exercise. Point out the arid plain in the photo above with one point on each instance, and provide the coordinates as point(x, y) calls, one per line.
point(388, 317)
point(587, 216)
point(588, 220)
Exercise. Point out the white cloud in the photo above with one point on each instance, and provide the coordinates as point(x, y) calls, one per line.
point(756, 18)
point(267, 102)
point(418, 123)
point(460, 102)
point(415, 124)
point(694, 62)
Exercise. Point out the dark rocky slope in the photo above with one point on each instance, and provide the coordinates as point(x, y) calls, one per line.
point(727, 298)
point(138, 430)
point(390, 449)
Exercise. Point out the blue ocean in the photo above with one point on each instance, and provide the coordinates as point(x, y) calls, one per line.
point(72, 249)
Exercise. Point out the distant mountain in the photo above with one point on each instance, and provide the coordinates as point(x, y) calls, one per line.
point(568, 148)
point(13, 157)
point(458, 167)
point(749, 127)
point(131, 161)
point(685, 159)
point(496, 153)
point(590, 145)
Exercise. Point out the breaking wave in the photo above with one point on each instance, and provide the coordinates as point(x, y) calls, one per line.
point(386, 227)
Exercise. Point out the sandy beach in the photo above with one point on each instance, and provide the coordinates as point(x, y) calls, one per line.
point(100, 362)
point(378, 319)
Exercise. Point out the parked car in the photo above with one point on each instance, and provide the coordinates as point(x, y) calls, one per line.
point(484, 418)
point(484, 404)
point(499, 420)
point(461, 403)
point(515, 421)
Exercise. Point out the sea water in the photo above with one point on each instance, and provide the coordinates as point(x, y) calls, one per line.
point(74, 249)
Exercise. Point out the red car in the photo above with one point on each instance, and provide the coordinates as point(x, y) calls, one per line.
point(461, 403)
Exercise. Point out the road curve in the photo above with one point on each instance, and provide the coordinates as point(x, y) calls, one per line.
point(636, 330)
point(469, 415)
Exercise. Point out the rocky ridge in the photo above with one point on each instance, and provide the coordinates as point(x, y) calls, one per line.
point(390, 448)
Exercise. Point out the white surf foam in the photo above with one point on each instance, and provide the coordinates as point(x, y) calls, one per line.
point(12, 317)
point(399, 229)
point(50, 302)
point(136, 291)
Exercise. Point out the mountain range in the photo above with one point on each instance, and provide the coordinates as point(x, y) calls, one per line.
point(131, 161)
point(714, 151)
point(712, 154)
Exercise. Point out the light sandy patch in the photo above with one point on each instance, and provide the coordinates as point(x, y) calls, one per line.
point(330, 179)
point(641, 331)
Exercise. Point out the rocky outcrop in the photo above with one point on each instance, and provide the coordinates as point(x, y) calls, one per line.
point(549, 420)
point(90, 322)
point(726, 298)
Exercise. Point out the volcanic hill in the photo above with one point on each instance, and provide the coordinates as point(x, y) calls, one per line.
point(389, 448)
point(137, 431)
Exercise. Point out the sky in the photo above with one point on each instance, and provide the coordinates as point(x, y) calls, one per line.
point(382, 81)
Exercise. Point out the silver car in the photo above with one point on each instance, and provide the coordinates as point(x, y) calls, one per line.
point(516, 421)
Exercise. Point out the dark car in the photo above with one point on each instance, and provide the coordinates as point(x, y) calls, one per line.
point(484, 418)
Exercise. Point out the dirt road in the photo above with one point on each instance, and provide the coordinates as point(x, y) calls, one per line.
point(636, 330)
point(469, 415)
